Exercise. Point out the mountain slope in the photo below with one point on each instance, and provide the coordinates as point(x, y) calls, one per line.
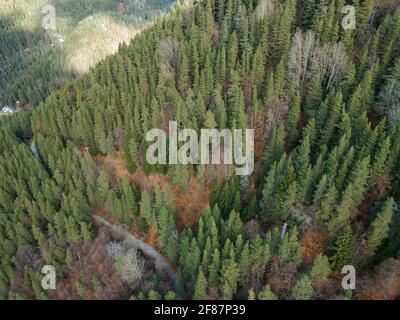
point(327, 162)
point(35, 60)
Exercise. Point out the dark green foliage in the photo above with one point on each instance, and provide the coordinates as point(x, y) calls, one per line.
point(327, 164)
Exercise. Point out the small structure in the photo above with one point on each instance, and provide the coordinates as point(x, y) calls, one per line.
point(9, 110)
point(6, 111)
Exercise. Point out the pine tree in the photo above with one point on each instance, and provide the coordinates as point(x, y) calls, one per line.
point(233, 227)
point(379, 166)
point(154, 295)
point(314, 97)
point(267, 294)
point(231, 274)
point(251, 295)
point(213, 271)
point(293, 119)
point(303, 289)
point(304, 169)
point(227, 292)
point(275, 149)
point(320, 268)
point(379, 228)
point(244, 263)
point(200, 290)
point(359, 179)
point(307, 12)
point(330, 125)
point(170, 296)
point(146, 210)
point(289, 249)
point(343, 209)
point(344, 249)
point(209, 121)
point(102, 187)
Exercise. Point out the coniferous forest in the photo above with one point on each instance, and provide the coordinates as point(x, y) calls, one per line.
point(77, 193)
point(35, 61)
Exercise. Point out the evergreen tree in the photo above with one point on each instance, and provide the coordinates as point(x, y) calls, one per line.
point(200, 290)
point(344, 249)
point(379, 228)
point(320, 268)
point(289, 249)
point(303, 289)
point(267, 294)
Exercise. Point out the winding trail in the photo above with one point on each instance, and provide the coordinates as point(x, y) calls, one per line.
point(119, 232)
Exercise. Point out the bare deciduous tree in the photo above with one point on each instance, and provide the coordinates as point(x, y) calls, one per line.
point(308, 57)
point(114, 249)
point(168, 51)
point(265, 7)
point(132, 266)
point(330, 61)
point(389, 101)
point(129, 263)
point(300, 55)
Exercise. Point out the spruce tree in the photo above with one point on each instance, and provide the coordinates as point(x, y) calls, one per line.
point(303, 289)
point(200, 290)
point(379, 228)
point(267, 294)
point(344, 248)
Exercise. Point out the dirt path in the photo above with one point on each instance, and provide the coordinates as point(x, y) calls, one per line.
point(119, 232)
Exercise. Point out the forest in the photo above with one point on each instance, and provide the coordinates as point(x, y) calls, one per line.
point(35, 61)
point(324, 105)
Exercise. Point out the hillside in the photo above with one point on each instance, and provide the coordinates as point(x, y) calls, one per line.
point(324, 193)
point(37, 57)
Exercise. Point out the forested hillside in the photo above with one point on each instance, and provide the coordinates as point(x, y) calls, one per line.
point(324, 103)
point(34, 61)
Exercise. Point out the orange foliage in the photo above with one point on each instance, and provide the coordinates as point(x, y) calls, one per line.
point(379, 190)
point(214, 172)
point(92, 258)
point(149, 182)
point(386, 2)
point(383, 284)
point(152, 238)
point(312, 244)
point(190, 202)
point(104, 214)
point(115, 167)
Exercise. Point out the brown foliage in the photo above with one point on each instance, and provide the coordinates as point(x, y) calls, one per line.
point(382, 284)
point(149, 183)
point(152, 238)
point(386, 3)
point(248, 85)
point(105, 213)
point(381, 186)
point(281, 278)
point(312, 244)
point(27, 257)
point(91, 261)
point(326, 289)
point(251, 229)
point(190, 202)
point(378, 190)
point(115, 167)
